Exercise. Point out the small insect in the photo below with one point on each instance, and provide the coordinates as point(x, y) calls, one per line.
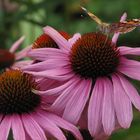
point(118, 27)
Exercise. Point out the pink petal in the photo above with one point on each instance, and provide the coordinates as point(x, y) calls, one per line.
point(122, 104)
point(49, 126)
point(46, 83)
point(108, 114)
point(131, 72)
point(15, 46)
point(17, 128)
point(52, 72)
point(130, 68)
point(123, 17)
point(21, 64)
point(5, 128)
point(58, 74)
point(47, 53)
point(60, 103)
point(95, 108)
point(77, 101)
point(128, 50)
point(131, 91)
point(23, 53)
point(65, 125)
point(124, 62)
point(116, 35)
point(74, 38)
point(60, 40)
point(46, 65)
point(32, 128)
point(56, 90)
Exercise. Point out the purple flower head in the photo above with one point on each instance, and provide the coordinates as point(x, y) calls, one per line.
point(25, 113)
point(13, 59)
point(95, 72)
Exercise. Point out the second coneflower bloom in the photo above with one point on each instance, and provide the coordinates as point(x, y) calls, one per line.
point(13, 58)
point(45, 41)
point(96, 72)
point(24, 113)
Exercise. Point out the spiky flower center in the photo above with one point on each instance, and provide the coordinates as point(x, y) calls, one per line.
point(6, 59)
point(44, 41)
point(16, 94)
point(94, 55)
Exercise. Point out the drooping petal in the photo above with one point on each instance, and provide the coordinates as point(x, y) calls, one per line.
point(23, 53)
point(131, 91)
point(77, 101)
point(60, 40)
point(20, 64)
point(128, 50)
point(5, 126)
point(15, 46)
point(32, 128)
point(116, 35)
point(56, 90)
point(46, 65)
point(122, 104)
point(124, 62)
point(60, 103)
point(49, 126)
point(131, 72)
point(17, 128)
point(108, 114)
point(47, 53)
point(65, 125)
point(46, 83)
point(74, 38)
point(59, 74)
point(95, 108)
point(130, 68)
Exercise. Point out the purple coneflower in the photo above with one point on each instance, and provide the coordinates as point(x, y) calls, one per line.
point(45, 41)
point(24, 114)
point(96, 72)
point(10, 58)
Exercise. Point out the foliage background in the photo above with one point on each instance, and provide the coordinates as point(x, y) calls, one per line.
point(27, 17)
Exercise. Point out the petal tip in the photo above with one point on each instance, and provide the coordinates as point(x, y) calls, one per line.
point(124, 16)
point(22, 37)
point(46, 28)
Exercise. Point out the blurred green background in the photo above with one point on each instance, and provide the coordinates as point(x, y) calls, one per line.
point(27, 17)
